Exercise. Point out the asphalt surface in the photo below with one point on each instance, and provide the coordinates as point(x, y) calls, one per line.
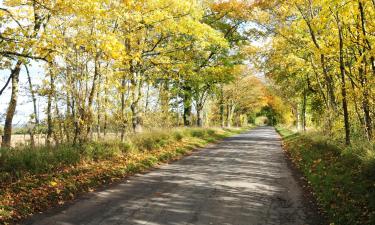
point(243, 180)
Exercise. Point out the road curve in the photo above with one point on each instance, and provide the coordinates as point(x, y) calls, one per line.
point(243, 180)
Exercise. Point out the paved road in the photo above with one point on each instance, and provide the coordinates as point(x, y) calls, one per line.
point(242, 180)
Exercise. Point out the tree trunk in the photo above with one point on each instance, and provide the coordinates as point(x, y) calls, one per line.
point(367, 115)
point(98, 108)
point(136, 92)
point(222, 109)
point(230, 112)
point(49, 111)
point(69, 108)
point(304, 101)
point(147, 101)
point(88, 114)
point(7, 137)
point(105, 105)
point(164, 101)
point(199, 116)
point(365, 98)
point(363, 75)
point(298, 118)
point(187, 100)
point(343, 84)
point(123, 122)
point(35, 114)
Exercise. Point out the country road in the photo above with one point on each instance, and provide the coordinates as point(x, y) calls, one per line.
point(244, 179)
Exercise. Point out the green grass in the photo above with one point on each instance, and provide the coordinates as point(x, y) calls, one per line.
point(32, 180)
point(342, 178)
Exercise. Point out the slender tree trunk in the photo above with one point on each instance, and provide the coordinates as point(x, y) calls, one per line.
point(99, 111)
point(298, 118)
point(147, 103)
point(365, 98)
point(105, 105)
point(222, 107)
point(164, 101)
point(304, 101)
point(366, 110)
point(89, 115)
point(199, 115)
point(329, 83)
point(60, 137)
point(123, 121)
point(363, 75)
point(136, 93)
point(49, 110)
point(230, 112)
point(35, 114)
point(7, 137)
point(68, 119)
point(343, 83)
point(187, 100)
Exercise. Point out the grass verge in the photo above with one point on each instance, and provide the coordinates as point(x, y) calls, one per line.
point(33, 180)
point(342, 178)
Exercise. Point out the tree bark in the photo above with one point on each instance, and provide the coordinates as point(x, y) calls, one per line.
point(98, 108)
point(164, 101)
point(7, 137)
point(187, 100)
point(105, 105)
point(49, 110)
point(363, 75)
point(304, 102)
point(89, 112)
point(35, 114)
point(199, 116)
point(123, 121)
point(343, 83)
point(230, 112)
point(136, 92)
point(222, 107)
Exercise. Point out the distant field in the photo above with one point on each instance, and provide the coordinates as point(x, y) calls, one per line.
point(24, 139)
point(21, 139)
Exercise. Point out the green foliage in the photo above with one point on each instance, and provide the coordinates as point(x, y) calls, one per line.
point(198, 133)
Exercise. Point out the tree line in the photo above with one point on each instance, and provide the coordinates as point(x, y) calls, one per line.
point(121, 65)
point(321, 58)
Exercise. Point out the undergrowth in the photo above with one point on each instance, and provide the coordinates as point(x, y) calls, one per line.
point(342, 178)
point(32, 180)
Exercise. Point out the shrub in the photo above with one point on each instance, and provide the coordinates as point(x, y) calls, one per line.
point(178, 136)
point(199, 133)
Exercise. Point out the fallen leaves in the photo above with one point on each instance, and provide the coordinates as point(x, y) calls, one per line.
point(36, 193)
point(343, 190)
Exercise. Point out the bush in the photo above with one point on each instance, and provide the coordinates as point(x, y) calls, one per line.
point(178, 136)
point(199, 133)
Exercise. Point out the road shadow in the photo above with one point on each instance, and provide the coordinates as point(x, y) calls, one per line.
point(242, 180)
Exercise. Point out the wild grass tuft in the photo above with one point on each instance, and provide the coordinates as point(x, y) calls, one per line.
point(26, 160)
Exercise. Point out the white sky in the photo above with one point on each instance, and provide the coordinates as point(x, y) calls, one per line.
point(25, 106)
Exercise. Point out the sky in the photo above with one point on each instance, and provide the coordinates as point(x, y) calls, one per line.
point(25, 107)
